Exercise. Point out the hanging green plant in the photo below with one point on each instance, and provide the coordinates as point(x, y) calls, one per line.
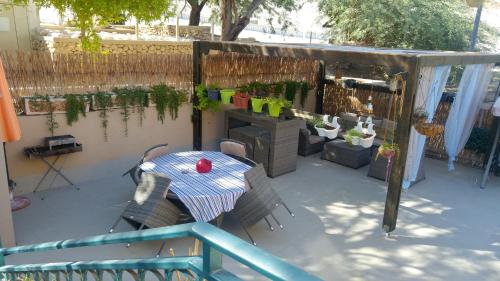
point(103, 102)
point(139, 98)
point(304, 90)
point(45, 102)
point(290, 90)
point(74, 106)
point(160, 98)
point(174, 101)
point(204, 102)
point(279, 87)
point(125, 100)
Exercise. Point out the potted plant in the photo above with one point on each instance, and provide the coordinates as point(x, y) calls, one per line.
point(323, 129)
point(423, 126)
point(387, 150)
point(226, 95)
point(204, 102)
point(258, 100)
point(213, 92)
point(274, 105)
point(241, 98)
point(39, 104)
point(353, 136)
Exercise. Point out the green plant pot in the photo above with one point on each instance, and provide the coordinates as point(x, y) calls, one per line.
point(274, 109)
point(257, 105)
point(226, 95)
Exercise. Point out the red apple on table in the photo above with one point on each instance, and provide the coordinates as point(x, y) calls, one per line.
point(203, 166)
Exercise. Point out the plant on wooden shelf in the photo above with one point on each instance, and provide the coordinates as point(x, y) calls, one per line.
point(241, 98)
point(204, 103)
point(213, 92)
point(75, 105)
point(104, 103)
point(226, 95)
point(275, 105)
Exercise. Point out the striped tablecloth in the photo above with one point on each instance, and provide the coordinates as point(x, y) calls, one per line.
point(205, 195)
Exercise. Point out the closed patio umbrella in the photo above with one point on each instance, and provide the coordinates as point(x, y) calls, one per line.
point(9, 131)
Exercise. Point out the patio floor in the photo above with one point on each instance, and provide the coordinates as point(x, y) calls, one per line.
point(448, 228)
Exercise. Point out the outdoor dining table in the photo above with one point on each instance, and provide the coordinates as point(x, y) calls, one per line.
point(206, 195)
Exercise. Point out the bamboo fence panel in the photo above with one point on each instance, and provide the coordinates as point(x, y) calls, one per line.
point(30, 73)
point(234, 69)
point(337, 100)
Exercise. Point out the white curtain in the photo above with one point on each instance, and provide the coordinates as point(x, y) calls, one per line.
point(430, 88)
point(470, 95)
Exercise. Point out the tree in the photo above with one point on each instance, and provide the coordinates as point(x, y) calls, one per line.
point(196, 8)
point(90, 14)
point(412, 24)
point(236, 14)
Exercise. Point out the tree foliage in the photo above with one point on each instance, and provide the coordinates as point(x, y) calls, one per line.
point(90, 14)
point(236, 14)
point(413, 24)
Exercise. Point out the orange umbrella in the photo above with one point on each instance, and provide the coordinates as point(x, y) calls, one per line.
point(9, 125)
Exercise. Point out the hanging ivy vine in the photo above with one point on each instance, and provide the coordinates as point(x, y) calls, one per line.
point(139, 98)
point(304, 90)
point(125, 100)
point(290, 90)
point(74, 106)
point(103, 103)
point(166, 97)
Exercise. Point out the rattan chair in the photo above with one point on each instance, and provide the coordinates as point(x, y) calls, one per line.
point(233, 147)
point(148, 155)
point(150, 209)
point(258, 202)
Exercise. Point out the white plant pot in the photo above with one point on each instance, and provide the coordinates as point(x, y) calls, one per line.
point(355, 140)
point(368, 142)
point(321, 131)
point(331, 134)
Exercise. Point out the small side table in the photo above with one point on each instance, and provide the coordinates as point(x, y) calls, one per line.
point(354, 156)
point(43, 152)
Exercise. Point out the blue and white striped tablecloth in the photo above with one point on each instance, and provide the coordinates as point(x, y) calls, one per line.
point(205, 195)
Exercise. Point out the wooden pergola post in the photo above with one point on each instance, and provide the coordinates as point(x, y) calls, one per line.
point(402, 138)
point(196, 118)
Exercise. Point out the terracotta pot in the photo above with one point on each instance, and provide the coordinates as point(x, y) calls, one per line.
point(240, 100)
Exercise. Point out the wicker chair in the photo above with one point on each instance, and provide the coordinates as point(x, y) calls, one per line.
point(309, 141)
point(149, 154)
point(259, 202)
point(150, 209)
point(233, 147)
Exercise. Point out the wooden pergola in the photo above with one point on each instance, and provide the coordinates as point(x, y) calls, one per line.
point(355, 62)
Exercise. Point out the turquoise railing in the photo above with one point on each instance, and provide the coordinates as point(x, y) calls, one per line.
point(208, 266)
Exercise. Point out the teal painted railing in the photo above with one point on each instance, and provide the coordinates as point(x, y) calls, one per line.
point(216, 243)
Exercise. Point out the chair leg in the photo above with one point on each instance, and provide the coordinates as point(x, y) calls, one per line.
point(269, 224)
point(115, 224)
point(140, 228)
point(249, 236)
point(288, 209)
point(276, 220)
point(161, 249)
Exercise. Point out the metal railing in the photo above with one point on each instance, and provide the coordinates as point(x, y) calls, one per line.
point(216, 243)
